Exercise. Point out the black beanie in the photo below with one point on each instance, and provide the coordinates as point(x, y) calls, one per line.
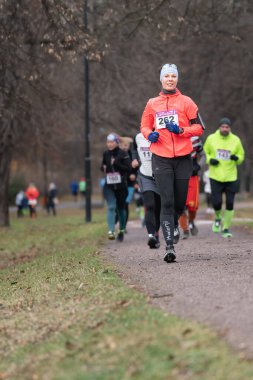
point(225, 120)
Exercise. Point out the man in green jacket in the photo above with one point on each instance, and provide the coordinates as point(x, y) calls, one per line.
point(224, 152)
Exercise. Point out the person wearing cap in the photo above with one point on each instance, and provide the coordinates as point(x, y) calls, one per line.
point(224, 152)
point(150, 194)
point(116, 164)
point(168, 122)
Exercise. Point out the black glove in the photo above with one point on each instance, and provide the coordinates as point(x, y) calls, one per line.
point(196, 169)
point(233, 157)
point(213, 162)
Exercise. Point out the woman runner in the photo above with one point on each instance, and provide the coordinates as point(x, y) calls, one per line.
point(116, 165)
point(168, 122)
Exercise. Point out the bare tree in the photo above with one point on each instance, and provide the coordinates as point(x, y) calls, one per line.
point(31, 34)
point(127, 43)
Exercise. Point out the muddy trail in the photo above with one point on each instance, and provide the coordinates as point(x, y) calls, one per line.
point(211, 282)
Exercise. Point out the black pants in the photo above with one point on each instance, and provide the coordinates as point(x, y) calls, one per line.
point(172, 177)
point(152, 204)
point(218, 188)
point(208, 199)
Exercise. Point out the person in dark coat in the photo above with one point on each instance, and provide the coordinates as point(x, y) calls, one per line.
point(51, 199)
point(116, 165)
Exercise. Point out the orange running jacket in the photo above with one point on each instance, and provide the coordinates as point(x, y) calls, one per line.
point(179, 109)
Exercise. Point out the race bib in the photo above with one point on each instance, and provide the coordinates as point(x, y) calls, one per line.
point(32, 202)
point(145, 153)
point(223, 154)
point(113, 178)
point(165, 116)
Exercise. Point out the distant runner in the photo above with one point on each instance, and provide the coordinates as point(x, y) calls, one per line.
point(152, 203)
point(116, 165)
point(187, 219)
point(224, 152)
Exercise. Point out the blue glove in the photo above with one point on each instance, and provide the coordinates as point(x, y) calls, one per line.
point(174, 128)
point(153, 136)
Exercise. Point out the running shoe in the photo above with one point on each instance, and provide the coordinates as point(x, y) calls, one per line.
point(152, 241)
point(216, 226)
point(157, 242)
point(170, 255)
point(186, 234)
point(176, 235)
point(111, 235)
point(120, 236)
point(193, 228)
point(226, 233)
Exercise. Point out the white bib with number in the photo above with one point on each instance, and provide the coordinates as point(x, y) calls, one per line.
point(223, 154)
point(165, 116)
point(143, 148)
point(113, 178)
point(145, 154)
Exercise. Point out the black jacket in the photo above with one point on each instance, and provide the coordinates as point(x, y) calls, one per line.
point(122, 164)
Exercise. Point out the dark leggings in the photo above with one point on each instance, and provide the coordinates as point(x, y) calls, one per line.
point(218, 188)
point(173, 198)
point(209, 200)
point(152, 204)
point(172, 178)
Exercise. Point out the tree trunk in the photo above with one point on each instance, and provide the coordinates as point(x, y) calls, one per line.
point(5, 165)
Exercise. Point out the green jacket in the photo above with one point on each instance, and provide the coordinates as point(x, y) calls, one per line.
point(221, 148)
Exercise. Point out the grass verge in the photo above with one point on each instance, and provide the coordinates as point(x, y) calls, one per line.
point(65, 314)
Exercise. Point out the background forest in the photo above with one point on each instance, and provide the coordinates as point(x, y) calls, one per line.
point(42, 49)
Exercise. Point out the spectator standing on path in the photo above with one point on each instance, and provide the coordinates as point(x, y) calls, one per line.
point(224, 152)
point(141, 156)
point(187, 219)
point(116, 165)
point(32, 194)
point(74, 189)
point(51, 199)
point(207, 191)
point(168, 122)
point(20, 203)
point(82, 186)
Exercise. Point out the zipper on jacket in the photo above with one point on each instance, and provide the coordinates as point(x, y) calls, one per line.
point(113, 169)
point(170, 132)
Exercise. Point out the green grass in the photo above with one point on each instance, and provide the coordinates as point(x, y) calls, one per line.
point(66, 315)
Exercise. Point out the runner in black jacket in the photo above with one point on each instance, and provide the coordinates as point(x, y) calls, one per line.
point(116, 165)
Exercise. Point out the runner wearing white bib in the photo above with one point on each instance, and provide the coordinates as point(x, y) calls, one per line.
point(116, 165)
point(142, 158)
point(224, 152)
point(168, 122)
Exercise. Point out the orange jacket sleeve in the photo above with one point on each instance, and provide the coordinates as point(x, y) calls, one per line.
point(147, 120)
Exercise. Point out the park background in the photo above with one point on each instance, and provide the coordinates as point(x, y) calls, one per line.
point(44, 45)
point(65, 312)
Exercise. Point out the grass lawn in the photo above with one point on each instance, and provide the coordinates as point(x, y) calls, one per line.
point(66, 315)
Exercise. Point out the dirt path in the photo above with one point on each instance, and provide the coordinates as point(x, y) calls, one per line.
point(211, 282)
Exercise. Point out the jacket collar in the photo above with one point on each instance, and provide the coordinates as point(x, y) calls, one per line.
point(170, 95)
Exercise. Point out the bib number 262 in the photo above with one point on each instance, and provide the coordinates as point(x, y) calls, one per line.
point(164, 117)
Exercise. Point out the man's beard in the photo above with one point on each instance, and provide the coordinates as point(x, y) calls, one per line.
point(224, 133)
